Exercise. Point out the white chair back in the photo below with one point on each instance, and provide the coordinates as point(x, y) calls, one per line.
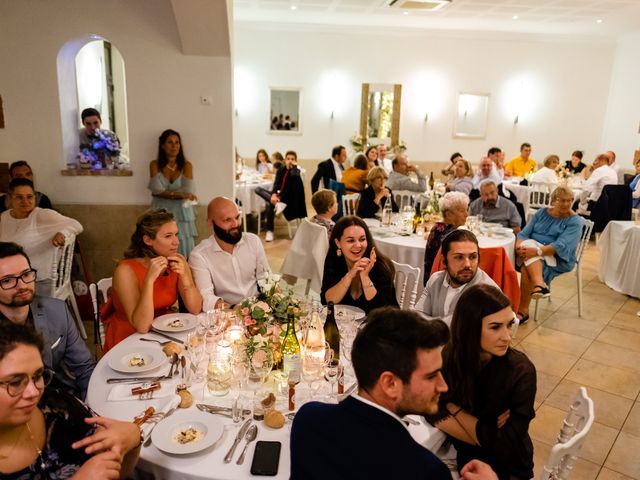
point(306, 255)
point(406, 283)
point(540, 195)
point(61, 287)
point(572, 435)
point(350, 204)
point(404, 198)
point(103, 286)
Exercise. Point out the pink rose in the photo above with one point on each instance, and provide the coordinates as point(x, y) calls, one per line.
point(259, 356)
point(249, 321)
point(245, 311)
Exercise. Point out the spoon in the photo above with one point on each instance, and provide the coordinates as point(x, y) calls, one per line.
point(174, 364)
point(183, 363)
point(251, 435)
point(157, 341)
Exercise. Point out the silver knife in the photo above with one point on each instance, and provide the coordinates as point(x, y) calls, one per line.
point(243, 429)
point(136, 379)
point(158, 332)
point(221, 410)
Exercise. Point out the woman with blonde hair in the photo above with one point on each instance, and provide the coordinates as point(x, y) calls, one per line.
point(547, 174)
point(374, 198)
point(146, 284)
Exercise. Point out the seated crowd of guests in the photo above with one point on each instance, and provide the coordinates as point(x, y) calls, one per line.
point(448, 359)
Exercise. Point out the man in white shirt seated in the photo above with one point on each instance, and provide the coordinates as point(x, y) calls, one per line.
point(399, 178)
point(611, 157)
point(486, 172)
point(461, 255)
point(602, 175)
point(226, 265)
point(495, 209)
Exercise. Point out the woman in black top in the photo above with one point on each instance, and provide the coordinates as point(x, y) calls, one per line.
point(575, 165)
point(354, 273)
point(373, 198)
point(492, 387)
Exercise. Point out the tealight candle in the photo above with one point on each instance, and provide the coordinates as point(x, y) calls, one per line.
point(233, 333)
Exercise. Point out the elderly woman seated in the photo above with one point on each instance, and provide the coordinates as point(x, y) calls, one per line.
point(355, 178)
point(462, 180)
point(454, 207)
point(373, 199)
point(38, 230)
point(547, 174)
point(546, 247)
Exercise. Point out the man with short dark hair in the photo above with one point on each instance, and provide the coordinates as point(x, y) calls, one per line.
point(399, 178)
point(461, 256)
point(21, 169)
point(226, 265)
point(330, 169)
point(522, 164)
point(494, 208)
point(397, 359)
point(95, 138)
point(64, 350)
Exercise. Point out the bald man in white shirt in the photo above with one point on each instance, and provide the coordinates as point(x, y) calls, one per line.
point(226, 265)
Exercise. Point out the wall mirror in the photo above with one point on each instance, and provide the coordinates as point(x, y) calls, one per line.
point(380, 113)
point(284, 112)
point(471, 117)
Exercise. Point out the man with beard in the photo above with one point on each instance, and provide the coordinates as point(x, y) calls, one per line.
point(64, 350)
point(461, 255)
point(397, 359)
point(495, 209)
point(226, 265)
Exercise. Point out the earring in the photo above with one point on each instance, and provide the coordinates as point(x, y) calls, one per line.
point(339, 252)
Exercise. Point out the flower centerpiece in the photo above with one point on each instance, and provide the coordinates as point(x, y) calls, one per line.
point(563, 174)
point(101, 151)
point(358, 142)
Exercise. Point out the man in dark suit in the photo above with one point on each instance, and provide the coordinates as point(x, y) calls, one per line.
point(287, 194)
point(64, 350)
point(397, 361)
point(330, 169)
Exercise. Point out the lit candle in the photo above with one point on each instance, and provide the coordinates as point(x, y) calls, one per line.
point(224, 349)
point(233, 333)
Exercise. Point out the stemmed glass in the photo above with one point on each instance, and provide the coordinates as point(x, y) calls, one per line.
point(260, 366)
point(331, 372)
point(195, 351)
point(314, 360)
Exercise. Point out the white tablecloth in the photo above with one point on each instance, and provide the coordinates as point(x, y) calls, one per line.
point(619, 257)
point(208, 463)
point(246, 193)
point(410, 249)
point(521, 193)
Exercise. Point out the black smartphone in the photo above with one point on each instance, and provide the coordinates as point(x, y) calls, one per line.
point(266, 458)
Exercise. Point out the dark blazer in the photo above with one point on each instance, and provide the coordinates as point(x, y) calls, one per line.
point(65, 351)
point(325, 172)
point(355, 440)
point(292, 194)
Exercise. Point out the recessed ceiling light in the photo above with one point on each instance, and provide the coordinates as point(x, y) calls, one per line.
point(515, 17)
point(405, 13)
point(599, 20)
point(293, 7)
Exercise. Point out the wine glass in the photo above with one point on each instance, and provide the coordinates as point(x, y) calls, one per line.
point(240, 367)
point(260, 366)
point(195, 351)
point(331, 371)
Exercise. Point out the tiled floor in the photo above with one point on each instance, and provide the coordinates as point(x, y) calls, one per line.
point(601, 351)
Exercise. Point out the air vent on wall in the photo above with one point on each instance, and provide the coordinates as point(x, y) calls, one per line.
point(430, 5)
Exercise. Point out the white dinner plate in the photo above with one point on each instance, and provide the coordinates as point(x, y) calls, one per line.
point(357, 313)
point(153, 358)
point(163, 323)
point(164, 435)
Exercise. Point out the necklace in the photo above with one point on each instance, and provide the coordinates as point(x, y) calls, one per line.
point(33, 443)
point(3, 456)
point(173, 169)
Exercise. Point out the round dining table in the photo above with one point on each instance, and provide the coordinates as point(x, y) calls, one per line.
point(409, 248)
point(246, 191)
point(114, 401)
point(619, 245)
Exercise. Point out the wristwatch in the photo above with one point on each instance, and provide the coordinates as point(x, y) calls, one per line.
point(539, 251)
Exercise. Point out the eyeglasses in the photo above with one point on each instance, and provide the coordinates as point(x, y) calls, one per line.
point(7, 283)
point(18, 384)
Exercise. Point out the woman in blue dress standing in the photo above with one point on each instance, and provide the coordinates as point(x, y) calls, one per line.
point(547, 247)
point(172, 187)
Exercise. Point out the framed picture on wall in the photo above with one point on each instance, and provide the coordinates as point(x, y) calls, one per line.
point(284, 110)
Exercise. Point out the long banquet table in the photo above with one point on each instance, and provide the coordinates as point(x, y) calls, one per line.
point(208, 463)
point(619, 260)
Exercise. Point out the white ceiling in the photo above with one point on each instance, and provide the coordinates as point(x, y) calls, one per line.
point(570, 17)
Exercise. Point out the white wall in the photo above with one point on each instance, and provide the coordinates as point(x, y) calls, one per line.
point(163, 91)
point(566, 82)
point(622, 128)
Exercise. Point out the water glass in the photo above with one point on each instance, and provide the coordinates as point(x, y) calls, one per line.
point(219, 375)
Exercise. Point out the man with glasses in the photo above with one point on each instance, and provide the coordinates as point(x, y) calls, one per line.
point(64, 350)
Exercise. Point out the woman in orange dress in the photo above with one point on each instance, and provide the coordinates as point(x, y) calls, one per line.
point(147, 282)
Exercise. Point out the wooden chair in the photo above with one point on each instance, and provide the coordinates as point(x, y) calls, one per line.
point(573, 433)
point(97, 290)
point(584, 240)
point(406, 283)
point(61, 287)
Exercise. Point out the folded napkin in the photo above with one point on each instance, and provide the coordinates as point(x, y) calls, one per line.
point(123, 392)
point(146, 427)
point(550, 259)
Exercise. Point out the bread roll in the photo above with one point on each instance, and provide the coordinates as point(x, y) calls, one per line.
point(171, 348)
point(274, 419)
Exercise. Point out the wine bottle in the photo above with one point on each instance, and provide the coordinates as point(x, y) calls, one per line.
point(291, 349)
point(331, 332)
point(432, 182)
